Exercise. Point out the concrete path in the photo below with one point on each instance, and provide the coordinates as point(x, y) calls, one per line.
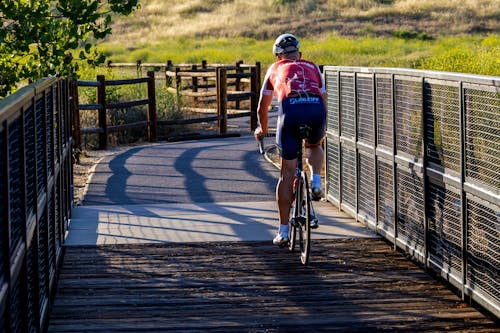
point(193, 191)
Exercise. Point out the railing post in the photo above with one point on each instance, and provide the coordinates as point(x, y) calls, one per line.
point(77, 135)
point(101, 100)
point(222, 99)
point(394, 165)
point(425, 180)
point(463, 196)
point(152, 126)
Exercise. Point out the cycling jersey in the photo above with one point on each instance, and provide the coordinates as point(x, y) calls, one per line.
point(293, 78)
point(298, 86)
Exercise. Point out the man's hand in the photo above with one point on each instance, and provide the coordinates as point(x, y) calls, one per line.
point(258, 133)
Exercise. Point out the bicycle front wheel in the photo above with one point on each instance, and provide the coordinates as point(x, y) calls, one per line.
point(304, 229)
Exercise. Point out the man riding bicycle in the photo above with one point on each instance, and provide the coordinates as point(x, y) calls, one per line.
point(300, 91)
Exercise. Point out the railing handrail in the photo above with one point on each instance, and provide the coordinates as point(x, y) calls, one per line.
point(493, 81)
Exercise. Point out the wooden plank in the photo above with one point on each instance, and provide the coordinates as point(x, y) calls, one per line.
point(350, 285)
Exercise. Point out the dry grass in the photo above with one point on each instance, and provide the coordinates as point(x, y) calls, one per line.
point(160, 20)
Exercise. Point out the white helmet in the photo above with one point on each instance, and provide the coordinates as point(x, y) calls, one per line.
point(285, 44)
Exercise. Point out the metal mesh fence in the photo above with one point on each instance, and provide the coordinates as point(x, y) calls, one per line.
point(483, 248)
point(41, 162)
point(385, 197)
point(58, 213)
point(366, 199)
point(408, 100)
point(30, 160)
point(32, 287)
point(348, 175)
point(43, 265)
point(347, 106)
point(333, 169)
point(49, 129)
point(442, 127)
point(332, 87)
point(51, 221)
point(445, 229)
point(16, 184)
point(410, 203)
point(446, 132)
point(366, 114)
point(384, 111)
point(482, 120)
point(18, 305)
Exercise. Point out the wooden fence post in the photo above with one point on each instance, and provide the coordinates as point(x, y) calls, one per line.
point(168, 79)
point(101, 100)
point(178, 87)
point(237, 83)
point(152, 126)
point(138, 65)
point(222, 99)
point(194, 79)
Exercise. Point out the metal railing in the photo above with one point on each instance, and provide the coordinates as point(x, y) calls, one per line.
point(415, 155)
point(35, 200)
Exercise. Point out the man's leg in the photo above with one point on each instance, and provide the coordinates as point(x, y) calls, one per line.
point(284, 200)
point(315, 157)
point(284, 189)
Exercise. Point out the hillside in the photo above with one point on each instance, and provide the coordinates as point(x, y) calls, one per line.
point(263, 19)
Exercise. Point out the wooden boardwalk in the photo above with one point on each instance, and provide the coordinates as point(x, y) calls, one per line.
point(352, 285)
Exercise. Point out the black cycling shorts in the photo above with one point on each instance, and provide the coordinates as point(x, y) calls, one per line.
point(308, 110)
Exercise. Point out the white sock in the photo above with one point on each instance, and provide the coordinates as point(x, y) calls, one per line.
point(316, 180)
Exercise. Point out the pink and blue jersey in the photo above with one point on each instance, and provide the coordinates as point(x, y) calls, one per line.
point(293, 78)
point(299, 87)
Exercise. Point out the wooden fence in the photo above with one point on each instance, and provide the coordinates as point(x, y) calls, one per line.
point(103, 106)
point(212, 86)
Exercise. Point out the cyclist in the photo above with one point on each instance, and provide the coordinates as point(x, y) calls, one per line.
point(300, 91)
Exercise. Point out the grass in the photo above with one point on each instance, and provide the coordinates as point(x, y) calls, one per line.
point(449, 35)
point(467, 54)
point(263, 19)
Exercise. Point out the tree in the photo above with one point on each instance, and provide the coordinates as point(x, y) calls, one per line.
point(40, 37)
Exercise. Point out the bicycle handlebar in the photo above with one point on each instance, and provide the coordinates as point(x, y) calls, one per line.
point(260, 143)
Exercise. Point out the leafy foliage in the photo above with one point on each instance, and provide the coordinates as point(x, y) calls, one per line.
point(38, 37)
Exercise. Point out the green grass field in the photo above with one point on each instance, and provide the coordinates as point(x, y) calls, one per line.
point(447, 35)
point(463, 54)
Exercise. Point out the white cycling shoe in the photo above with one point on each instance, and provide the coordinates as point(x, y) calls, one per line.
point(281, 239)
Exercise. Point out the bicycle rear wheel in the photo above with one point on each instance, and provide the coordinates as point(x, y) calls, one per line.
point(303, 228)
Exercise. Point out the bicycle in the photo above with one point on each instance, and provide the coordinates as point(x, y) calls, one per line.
point(302, 210)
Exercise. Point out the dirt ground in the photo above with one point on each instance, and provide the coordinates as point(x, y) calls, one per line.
point(82, 171)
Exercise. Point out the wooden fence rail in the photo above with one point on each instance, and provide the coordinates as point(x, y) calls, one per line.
point(214, 85)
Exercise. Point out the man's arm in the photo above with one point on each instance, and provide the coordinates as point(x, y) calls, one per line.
point(262, 111)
